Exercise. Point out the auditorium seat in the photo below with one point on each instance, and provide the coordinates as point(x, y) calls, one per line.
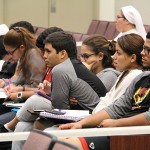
point(147, 28)
point(102, 27)
point(39, 30)
point(84, 36)
point(93, 27)
point(35, 28)
point(77, 36)
point(110, 31)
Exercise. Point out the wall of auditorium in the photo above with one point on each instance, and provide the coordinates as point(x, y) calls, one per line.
point(71, 15)
point(1, 12)
point(34, 11)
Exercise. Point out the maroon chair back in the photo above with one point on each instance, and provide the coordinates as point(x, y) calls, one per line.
point(60, 145)
point(110, 32)
point(39, 30)
point(39, 140)
point(84, 36)
point(147, 28)
point(77, 36)
point(93, 27)
point(102, 27)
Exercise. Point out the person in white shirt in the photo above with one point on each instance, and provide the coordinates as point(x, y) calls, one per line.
point(129, 21)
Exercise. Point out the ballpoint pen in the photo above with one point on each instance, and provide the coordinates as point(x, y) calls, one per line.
point(9, 83)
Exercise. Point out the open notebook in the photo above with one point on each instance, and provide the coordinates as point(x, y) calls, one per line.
point(70, 115)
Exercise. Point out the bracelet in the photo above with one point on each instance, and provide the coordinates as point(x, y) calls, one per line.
point(23, 88)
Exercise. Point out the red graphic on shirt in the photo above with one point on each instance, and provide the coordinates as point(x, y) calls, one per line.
point(139, 96)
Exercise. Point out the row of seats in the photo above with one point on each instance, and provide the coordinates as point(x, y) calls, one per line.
point(105, 28)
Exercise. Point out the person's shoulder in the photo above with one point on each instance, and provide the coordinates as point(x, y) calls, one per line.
point(135, 72)
point(111, 71)
point(62, 67)
point(143, 74)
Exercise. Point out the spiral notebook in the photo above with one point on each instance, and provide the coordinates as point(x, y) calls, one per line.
point(70, 115)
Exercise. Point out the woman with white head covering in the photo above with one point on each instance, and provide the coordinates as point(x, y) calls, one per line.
point(129, 21)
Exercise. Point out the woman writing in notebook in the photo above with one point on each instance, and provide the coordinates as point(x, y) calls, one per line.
point(30, 91)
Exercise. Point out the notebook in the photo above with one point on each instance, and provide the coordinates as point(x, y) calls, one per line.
point(12, 104)
point(70, 115)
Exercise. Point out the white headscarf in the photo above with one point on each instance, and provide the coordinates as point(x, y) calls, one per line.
point(3, 29)
point(133, 16)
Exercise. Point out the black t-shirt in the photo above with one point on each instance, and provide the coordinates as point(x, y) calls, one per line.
point(141, 97)
point(8, 70)
point(89, 77)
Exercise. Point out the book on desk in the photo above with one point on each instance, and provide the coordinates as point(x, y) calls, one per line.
point(69, 115)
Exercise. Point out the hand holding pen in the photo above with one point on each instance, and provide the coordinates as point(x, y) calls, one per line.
point(8, 87)
point(45, 86)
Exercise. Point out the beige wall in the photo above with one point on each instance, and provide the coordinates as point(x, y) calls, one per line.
point(71, 15)
point(1, 12)
point(107, 10)
point(34, 11)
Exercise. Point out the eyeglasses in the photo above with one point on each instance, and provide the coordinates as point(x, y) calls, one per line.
point(119, 17)
point(85, 55)
point(12, 52)
point(146, 49)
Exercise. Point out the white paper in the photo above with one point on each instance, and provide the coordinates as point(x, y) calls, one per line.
point(2, 93)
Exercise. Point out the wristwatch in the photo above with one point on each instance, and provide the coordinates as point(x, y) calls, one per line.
point(19, 95)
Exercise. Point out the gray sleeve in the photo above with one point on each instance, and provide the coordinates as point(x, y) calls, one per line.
point(60, 89)
point(147, 115)
point(108, 78)
point(123, 105)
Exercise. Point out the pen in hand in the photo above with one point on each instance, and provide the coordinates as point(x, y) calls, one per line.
point(9, 84)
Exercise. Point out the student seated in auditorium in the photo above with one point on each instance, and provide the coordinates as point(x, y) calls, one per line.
point(131, 109)
point(8, 68)
point(127, 59)
point(20, 43)
point(129, 21)
point(130, 54)
point(5, 118)
point(67, 80)
point(96, 55)
point(130, 70)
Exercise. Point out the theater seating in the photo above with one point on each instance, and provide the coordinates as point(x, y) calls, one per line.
point(102, 27)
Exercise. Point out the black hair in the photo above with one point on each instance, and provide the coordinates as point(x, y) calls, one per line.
point(25, 24)
point(148, 35)
point(44, 34)
point(3, 52)
point(63, 41)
